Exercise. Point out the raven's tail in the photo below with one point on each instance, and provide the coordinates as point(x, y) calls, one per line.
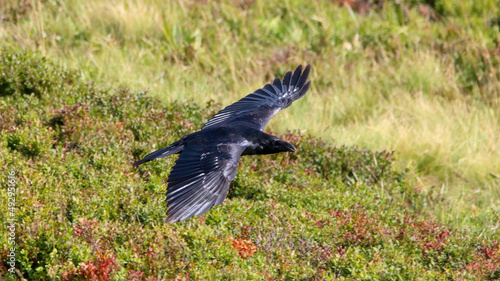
point(174, 148)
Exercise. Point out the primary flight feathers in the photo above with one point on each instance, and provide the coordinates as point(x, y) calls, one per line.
point(265, 102)
point(209, 158)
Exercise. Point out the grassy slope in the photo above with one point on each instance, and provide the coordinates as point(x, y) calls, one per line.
point(323, 212)
point(422, 82)
point(428, 89)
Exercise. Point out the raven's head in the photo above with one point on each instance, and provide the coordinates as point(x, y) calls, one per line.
point(283, 146)
point(268, 144)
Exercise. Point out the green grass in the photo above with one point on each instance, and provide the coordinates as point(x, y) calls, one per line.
point(426, 86)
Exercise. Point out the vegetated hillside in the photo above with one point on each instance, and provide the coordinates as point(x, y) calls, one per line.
point(84, 213)
point(417, 76)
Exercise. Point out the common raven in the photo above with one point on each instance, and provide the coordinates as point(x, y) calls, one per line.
point(209, 158)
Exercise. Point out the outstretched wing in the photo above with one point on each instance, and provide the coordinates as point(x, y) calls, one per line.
point(200, 180)
point(256, 109)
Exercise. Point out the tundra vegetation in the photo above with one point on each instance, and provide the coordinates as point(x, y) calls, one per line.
point(396, 176)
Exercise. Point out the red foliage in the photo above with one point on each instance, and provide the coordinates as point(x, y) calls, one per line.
point(321, 223)
point(487, 263)
point(429, 235)
point(135, 275)
point(245, 247)
point(357, 227)
point(100, 268)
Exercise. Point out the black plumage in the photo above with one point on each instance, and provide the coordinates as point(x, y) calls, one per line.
point(208, 158)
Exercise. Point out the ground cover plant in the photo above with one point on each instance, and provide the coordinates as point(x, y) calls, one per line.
point(83, 94)
point(418, 77)
point(85, 213)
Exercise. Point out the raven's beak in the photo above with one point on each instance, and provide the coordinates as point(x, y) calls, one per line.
point(290, 147)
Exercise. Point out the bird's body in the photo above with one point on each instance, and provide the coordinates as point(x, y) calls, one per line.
point(209, 158)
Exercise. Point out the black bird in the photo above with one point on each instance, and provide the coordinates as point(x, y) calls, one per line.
point(209, 158)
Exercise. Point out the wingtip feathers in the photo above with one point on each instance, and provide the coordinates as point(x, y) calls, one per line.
point(298, 78)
